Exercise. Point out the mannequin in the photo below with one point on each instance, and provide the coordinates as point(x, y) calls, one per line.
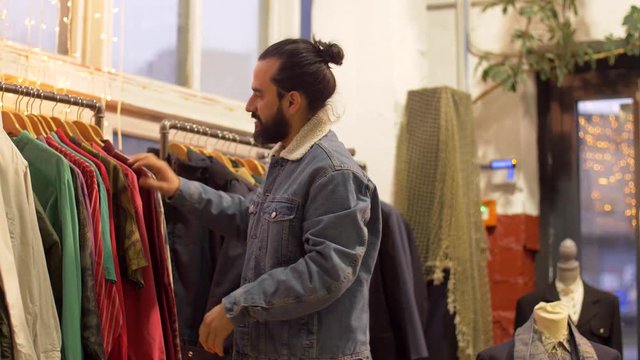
point(548, 320)
point(568, 268)
point(568, 281)
point(552, 319)
point(594, 312)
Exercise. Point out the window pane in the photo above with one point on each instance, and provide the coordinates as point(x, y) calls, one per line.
point(150, 39)
point(132, 145)
point(229, 47)
point(32, 22)
point(608, 205)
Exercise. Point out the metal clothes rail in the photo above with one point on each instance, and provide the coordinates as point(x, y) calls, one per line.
point(32, 92)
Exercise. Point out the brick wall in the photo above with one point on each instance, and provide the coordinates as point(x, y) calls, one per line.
point(513, 244)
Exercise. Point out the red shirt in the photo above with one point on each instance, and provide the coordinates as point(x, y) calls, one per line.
point(143, 313)
point(159, 260)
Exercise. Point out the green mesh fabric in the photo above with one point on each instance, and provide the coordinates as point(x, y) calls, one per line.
point(437, 190)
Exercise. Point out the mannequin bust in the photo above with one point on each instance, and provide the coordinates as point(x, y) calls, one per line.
point(552, 319)
point(568, 268)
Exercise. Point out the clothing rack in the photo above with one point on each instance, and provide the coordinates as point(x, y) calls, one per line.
point(32, 92)
point(208, 130)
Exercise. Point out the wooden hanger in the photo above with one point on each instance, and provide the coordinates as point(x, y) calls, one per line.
point(179, 151)
point(9, 123)
point(22, 120)
point(86, 133)
point(45, 121)
point(83, 128)
point(96, 131)
point(36, 125)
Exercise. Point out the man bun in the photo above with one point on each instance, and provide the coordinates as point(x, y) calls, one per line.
point(331, 53)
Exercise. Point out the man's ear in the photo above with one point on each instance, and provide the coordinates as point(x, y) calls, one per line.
point(293, 102)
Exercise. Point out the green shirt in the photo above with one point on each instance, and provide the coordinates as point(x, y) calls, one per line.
point(105, 228)
point(52, 183)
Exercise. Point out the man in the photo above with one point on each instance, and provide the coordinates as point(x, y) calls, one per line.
point(313, 229)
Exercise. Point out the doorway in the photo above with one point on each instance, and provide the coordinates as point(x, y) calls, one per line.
point(588, 141)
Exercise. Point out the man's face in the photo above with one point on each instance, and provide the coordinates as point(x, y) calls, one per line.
point(271, 123)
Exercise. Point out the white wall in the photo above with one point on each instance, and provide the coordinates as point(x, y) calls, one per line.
point(385, 45)
point(507, 123)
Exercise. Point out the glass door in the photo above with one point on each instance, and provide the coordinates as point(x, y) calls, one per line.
point(588, 141)
point(608, 212)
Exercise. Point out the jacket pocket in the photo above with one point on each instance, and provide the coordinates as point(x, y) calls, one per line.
point(279, 218)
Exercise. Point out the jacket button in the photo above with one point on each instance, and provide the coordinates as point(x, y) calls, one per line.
point(190, 354)
point(601, 331)
point(273, 215)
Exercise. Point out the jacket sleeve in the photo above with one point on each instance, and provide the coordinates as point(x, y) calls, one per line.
point(221, 211)
point(335, 235)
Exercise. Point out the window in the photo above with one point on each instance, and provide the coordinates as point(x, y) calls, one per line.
point(134, 145)
point(34, 23)
point(608, 206)
point(150, 39)
point(230, 47)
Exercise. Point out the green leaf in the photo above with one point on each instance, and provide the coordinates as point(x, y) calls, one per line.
point(632, 20)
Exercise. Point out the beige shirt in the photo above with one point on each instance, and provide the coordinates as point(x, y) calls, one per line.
point(572, 296)
point(38, 306)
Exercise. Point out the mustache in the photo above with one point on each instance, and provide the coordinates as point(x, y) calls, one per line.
point(256, 116)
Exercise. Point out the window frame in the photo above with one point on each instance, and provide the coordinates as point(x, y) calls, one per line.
point(144, 102)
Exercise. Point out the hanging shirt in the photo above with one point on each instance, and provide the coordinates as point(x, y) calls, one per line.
point(52, 252)
point(130, 246)
point(143, 313)
point(52, 184)
point(95, 309)
point(22, 342)
point(103, 199)
point(154, 224)
point(92, 341)
point(116, 337)
point(572, 296)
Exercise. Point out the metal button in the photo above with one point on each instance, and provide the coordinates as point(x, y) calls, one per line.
point(190, 354)
point(601, 331)
point(274, 214)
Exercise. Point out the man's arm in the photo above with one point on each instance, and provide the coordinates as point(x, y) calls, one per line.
point(335, 240)
point(218, 210)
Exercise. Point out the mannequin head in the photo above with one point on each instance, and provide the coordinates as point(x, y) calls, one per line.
point(568, 268)
point(552, 319)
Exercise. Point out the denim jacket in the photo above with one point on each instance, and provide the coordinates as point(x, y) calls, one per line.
point(313, 233)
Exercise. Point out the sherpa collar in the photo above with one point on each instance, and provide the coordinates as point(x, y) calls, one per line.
point(311, 132)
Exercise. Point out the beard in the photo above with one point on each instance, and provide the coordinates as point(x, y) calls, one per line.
point(273, 130)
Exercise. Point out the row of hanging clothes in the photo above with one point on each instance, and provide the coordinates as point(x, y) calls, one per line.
point(84, 263)
point(207, 263)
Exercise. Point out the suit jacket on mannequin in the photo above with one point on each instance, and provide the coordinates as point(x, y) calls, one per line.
point(599, 318)
point(519, 347)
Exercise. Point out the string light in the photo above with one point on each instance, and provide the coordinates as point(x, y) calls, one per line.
point(606, 147)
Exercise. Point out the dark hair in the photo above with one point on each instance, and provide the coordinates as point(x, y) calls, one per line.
point(304, 67)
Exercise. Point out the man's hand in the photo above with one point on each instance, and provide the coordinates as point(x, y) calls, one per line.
point(215, 327)
point(166, 181)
